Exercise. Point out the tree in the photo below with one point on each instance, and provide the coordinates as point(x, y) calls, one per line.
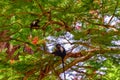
point(90, 27)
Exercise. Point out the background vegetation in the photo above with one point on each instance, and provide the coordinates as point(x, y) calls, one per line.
point(88, 29)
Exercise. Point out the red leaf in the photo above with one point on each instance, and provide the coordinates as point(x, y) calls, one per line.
point(35, 40)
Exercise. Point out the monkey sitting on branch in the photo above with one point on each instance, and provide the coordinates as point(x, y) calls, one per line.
point(60, 51)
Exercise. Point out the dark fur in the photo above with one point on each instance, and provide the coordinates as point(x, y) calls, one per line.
point(34, 24)
point(60, 51)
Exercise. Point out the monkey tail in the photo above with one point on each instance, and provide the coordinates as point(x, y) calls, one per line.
point(63, 68)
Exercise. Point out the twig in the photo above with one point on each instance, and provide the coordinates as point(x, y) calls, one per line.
point(113, 12)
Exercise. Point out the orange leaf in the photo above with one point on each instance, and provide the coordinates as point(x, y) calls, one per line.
point(35, 40)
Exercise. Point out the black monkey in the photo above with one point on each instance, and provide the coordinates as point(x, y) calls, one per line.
point(60, 51)
point(34, 24)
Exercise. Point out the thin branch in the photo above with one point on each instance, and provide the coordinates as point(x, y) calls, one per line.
point(29, 73)
point(84, 44)
point(40, 6)
point(103, 25)
point(80, 71)
point(113, 12)
point(52, 22)
point(67, 40)
point(89, 54)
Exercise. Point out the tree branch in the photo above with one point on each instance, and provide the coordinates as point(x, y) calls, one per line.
point(113, 12)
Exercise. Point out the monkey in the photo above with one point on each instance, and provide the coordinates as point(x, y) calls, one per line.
point(34, 24)
point(60, 51)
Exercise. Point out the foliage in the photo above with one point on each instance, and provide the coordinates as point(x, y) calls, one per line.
point(89, 28)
